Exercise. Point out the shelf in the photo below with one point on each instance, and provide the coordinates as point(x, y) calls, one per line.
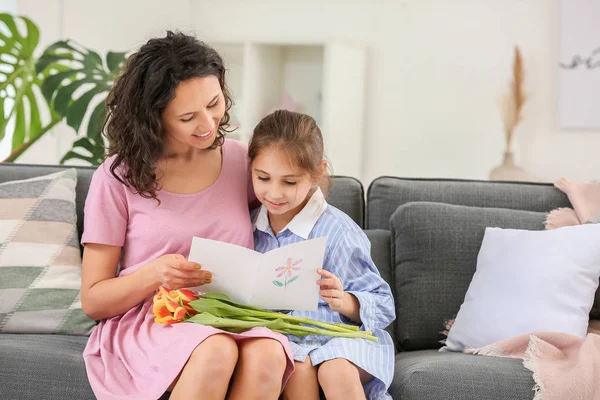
point(324, 80)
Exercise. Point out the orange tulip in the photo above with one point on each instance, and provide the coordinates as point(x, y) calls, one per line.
point(171, 306)
point(187, 295)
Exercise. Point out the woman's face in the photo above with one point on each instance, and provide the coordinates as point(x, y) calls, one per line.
point(192, 118)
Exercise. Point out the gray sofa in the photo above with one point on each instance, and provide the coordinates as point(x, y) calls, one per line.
point(425, 236)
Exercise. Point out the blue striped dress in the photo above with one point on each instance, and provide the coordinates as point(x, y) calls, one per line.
point(347, 256)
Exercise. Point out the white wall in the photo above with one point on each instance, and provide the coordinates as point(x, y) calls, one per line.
point(9, 6)
point(437, 69)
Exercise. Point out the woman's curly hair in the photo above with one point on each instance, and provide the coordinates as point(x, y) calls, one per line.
point(140, 95)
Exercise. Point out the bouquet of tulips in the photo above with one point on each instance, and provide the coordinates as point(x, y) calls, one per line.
point(217, 310)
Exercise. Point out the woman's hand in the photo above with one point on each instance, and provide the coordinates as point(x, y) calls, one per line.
point(175, 272)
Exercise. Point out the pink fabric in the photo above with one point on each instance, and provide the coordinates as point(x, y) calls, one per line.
point(131, 357)
point(563, 366)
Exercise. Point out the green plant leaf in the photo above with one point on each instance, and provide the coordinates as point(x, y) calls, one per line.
point(215, 295)
point(64, 95)
point(293, 279)
point(115, 61)
point(20, 128)
point(49, 59)
point(78, 108)
point(77, 79)
point(80, 66)
point(206, 318)
point(61, 45)
point(230, 309)
point(19, 83)
point(36, 123)
point(53, 82)
point(223, 298)
point(96, 121)
point(281, 325)
point(277, 283)
point(86, 149)
point(93, 61)
point(72, 154)
point(28, 42)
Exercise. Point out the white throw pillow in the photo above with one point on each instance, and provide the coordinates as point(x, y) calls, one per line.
point(529, 281)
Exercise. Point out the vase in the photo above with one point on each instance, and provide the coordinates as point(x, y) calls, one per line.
point(509, 171)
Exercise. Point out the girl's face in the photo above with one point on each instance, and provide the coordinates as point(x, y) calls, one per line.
point(192, 118)
point(278, 184)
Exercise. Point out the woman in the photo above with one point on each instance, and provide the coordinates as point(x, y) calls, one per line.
point(170, 175)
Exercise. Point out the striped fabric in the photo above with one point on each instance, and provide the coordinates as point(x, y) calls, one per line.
point(40, 259)
point(348, 257)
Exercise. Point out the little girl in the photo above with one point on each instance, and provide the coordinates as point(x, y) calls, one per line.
point(287, 161)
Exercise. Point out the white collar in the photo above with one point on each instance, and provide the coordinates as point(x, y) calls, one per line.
point(303, 223)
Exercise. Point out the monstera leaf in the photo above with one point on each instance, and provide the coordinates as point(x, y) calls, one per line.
point(77, 81)
point(21, 103)
point(94, 147)
point(68, 82)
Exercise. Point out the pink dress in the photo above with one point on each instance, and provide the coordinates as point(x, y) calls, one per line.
point(131, 357)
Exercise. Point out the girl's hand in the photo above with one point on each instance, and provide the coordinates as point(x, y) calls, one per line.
point(332, 290)
point(175, 272)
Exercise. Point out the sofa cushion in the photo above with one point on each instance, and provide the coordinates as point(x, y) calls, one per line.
point(40, 260)
point(435, 248)
point(43, 367)
point(431, 375)
point(387, 193)
point(381, 255)
point(381, 252)
point(348, 195)
point(13, 172)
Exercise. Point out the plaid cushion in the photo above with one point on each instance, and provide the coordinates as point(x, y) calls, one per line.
point(40, 260)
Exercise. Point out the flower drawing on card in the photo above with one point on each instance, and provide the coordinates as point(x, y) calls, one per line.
point(287, 273)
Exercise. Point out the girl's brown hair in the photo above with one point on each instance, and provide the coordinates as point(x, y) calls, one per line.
point(299, 136)
point(140, 95)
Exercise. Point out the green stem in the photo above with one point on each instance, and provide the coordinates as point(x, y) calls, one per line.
point(297, 320)
point(292, 318)
point(277, 325)
point(325, 325)
point(21, 149)
point(316, 331)
point(352, 328)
